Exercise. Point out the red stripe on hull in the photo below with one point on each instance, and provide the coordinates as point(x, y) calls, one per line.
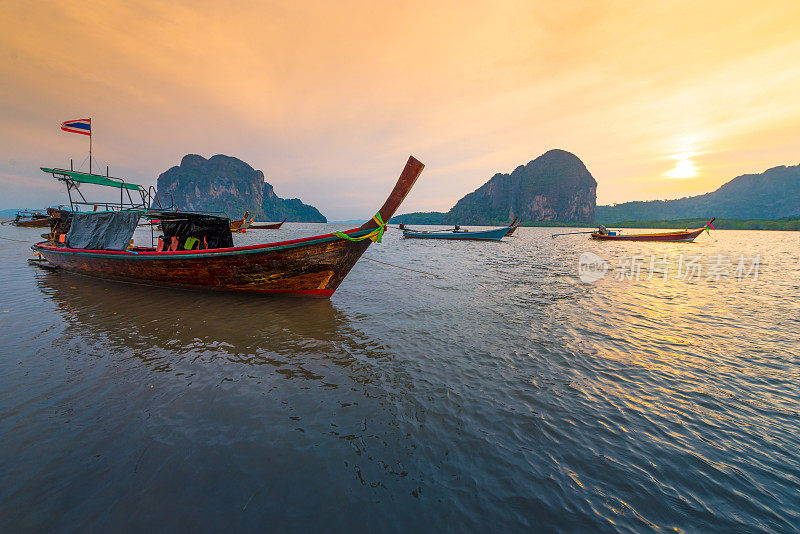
point(193, 252)
point(315, 269)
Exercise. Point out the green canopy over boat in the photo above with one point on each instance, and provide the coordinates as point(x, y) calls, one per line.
point(97, 179)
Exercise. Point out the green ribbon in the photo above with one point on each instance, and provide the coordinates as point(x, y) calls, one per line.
point(376, 236)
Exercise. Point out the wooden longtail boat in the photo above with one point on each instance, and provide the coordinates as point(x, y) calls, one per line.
point(313, 266)
point(25, 219)
point(480, 235)
point(685, 235)
point(242, 224)
point(514, 225)
point(274, 226)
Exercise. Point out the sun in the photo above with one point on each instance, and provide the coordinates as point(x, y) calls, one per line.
point(684, 166)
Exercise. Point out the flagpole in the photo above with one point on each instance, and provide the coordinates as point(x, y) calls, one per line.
point(90, 146)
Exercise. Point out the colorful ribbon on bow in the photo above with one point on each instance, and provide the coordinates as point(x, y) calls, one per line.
point(376, 235)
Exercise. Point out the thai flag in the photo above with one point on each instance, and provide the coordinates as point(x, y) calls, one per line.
point(79, 126)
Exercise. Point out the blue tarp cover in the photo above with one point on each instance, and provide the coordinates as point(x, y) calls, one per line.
point(107, 230)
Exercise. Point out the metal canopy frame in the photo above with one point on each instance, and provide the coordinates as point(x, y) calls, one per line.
point(145, 199)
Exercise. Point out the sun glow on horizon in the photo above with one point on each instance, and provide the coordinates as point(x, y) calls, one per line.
point(684, 166)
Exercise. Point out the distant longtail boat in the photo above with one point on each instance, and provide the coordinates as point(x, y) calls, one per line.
point(495, 234)
point(27, 219)
point(273, 226)
point(242, 224)
point(686, 235)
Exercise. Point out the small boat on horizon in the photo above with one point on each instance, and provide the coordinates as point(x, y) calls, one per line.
point(495, 234)
point(602, 234)
point(31, 219)
point(241, 225)
point(271, 226)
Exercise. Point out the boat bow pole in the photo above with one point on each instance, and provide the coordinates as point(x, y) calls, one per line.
point(573, 233)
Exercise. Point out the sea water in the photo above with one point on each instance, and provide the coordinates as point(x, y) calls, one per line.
point(544, 384)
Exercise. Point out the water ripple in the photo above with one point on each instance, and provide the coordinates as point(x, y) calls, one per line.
point(508, 396)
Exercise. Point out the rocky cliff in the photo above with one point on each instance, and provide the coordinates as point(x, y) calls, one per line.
point(556, 186)
point(227, 184)
point(773, 194)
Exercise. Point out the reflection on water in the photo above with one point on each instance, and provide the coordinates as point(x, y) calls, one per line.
point(507, 396)
point(265, 397)
point(165, 320)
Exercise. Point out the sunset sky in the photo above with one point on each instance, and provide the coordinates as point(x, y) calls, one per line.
point(659, 99)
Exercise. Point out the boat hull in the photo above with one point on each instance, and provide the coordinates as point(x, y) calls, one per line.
point(33, 223)
point(313, 267)
point(668, 237)
point(481, 235)
point(275, 226)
